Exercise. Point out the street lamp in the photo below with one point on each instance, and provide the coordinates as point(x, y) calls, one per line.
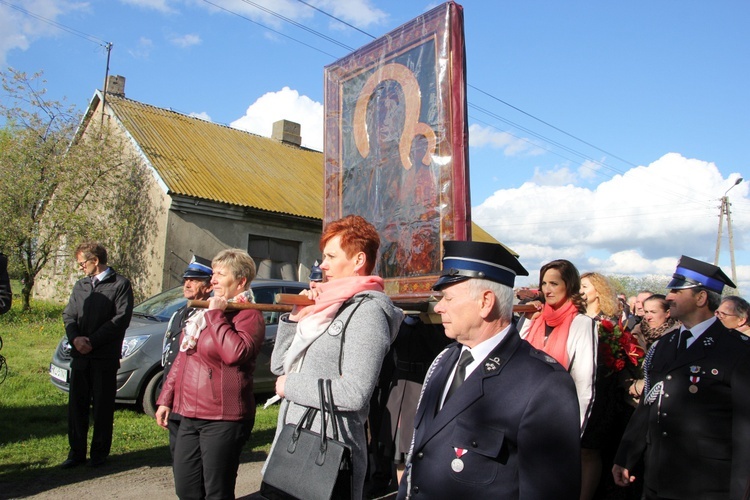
point(725, 210)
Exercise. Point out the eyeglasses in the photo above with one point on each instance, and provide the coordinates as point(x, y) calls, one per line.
point(83, 264)
point(723, 315)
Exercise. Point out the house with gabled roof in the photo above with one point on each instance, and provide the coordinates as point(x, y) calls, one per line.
point(217, 187)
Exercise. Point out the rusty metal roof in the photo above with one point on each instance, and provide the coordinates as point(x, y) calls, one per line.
point(214, 162)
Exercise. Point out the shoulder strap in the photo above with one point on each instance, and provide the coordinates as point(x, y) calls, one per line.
point(343, 331)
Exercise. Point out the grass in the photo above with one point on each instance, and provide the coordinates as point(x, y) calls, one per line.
point(33, 413)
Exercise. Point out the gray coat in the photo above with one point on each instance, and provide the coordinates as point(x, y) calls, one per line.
point(367, 338)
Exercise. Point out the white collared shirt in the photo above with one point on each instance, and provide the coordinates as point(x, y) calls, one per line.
point(479, 353)
point(697, 330)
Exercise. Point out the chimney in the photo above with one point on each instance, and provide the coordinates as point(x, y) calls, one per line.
point(287, 132)
point(116, 85)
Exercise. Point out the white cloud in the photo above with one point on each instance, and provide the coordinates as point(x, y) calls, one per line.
point(158, 5)
point(202, 115)
point(511, 145)
point(185, 41)
point(637, 223)
point(286, 104)
point(360, 13)
point(143, 49)
point(19, 29)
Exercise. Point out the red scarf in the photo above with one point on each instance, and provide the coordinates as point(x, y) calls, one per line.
point(556, 344)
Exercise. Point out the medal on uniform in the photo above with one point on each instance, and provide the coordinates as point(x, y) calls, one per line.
point(457, 464)
point(693, 384)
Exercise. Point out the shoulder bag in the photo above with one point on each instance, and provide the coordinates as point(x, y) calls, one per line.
point(309, 465)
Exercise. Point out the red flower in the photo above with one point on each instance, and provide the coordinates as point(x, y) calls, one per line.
point(617, 347)
point(608, 325)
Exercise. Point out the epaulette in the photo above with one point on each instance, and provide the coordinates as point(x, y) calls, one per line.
point(543, 356)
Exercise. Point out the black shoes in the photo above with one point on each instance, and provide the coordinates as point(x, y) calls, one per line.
point(71, 462)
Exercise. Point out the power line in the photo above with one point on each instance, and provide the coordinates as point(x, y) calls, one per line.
point(269, 28)
point(503, 102)
point(337, 19)
point(557, 144)
point(552, 126)
point(72, 31)
point(299, 25)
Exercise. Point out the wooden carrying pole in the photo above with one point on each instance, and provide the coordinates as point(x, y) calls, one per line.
point(285, 302)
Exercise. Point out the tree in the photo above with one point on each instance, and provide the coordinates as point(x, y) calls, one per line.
point(62, 185)
point(631, 286)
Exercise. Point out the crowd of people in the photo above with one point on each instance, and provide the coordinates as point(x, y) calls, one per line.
point(588, 396)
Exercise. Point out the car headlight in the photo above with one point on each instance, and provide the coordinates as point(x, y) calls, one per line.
point(131, 344)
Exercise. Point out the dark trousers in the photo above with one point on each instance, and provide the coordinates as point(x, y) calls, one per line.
point(207, 454)
point(173, 424)
point(95, 387)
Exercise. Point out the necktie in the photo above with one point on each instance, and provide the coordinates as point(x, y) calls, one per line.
point(460, 375)
point(684, 336)
point(94, 282)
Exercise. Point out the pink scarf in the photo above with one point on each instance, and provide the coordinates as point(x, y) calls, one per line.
point(332, 295)
point(556, 345)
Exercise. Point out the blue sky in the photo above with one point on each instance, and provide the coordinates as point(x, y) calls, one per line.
point(601, 132)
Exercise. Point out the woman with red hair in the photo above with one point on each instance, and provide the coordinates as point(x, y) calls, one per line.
point(344, 337)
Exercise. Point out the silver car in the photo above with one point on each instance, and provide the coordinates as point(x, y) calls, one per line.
point(139, 378)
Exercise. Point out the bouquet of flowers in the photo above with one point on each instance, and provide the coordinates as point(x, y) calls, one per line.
point(617, 346)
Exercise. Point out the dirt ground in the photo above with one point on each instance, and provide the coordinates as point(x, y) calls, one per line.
point(111, 483)
point(114, 481)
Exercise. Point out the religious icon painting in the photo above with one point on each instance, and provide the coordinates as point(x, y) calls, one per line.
point(396, 146)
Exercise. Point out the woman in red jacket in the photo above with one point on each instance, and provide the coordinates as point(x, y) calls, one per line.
point(211, 383)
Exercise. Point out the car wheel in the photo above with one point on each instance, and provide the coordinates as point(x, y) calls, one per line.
point(151, 393)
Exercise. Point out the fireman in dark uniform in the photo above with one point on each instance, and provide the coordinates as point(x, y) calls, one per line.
point(692, 425)
point(196, 285)
point(497, 418)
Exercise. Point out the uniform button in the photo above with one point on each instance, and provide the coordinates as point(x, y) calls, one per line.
point(666, 395)
point(420, 455)
point(474, 444)
point(664, 433)
point(415, 490)
point(669, 377)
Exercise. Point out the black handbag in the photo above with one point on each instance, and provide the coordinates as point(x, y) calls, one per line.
point(308, 465)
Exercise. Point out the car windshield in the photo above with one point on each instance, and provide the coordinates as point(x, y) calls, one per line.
point(161, 306)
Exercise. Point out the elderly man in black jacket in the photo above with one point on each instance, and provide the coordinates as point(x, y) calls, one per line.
point(496, 418)
point(96, 317)
point(692, 425)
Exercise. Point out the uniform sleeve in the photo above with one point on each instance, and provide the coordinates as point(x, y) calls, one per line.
point(633, 442)
point(237, 338)
point(550, 423)
point(740, 479)
point(366, 344)
point(582, 351)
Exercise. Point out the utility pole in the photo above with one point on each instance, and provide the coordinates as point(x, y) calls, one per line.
point(726, 210)
point(108, 47)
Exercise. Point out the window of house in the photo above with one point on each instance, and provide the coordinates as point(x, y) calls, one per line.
point(274, 258)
